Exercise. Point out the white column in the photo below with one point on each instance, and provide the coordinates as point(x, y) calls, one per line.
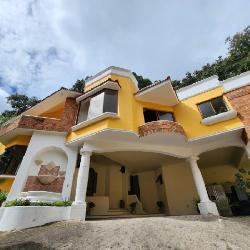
point(205, 205)
point(78, 209)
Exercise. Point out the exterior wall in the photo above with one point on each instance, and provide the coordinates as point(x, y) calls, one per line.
point(6, 183)
point(240, 100)
point(180, 189)
point(131, 116)
point(148, 190)
point(219, 174)
point(189, 117)
point(56, 112)
point(2, 148)
point(115, 187)
point(39, 143)
point(18, 140)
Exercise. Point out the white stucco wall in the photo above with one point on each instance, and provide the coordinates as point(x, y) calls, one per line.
point(41, 143)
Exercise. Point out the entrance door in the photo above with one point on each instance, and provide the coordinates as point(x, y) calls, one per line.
point(134, 186)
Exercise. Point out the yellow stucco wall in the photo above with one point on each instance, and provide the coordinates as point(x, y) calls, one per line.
point(131, 116)
point(188, 115)
point(180, 190)
point(18, 140)
point(55, 112)
point(148, 198)
point(6, 183)
point(2, 148)
point(130, 111)
point(219, 174)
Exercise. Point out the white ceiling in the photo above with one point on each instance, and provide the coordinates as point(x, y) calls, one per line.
point(141, 161)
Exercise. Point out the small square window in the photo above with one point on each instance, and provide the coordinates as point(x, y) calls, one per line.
point(212, 107)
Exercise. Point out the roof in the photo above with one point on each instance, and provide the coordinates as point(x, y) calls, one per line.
point(161, 92)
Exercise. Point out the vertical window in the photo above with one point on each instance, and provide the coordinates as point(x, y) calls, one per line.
point(212, 107)
point(106, 101)
point(154, 115)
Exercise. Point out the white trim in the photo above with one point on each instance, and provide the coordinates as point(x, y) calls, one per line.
point(7, 176)
point(236, 82)
point(96, 119)
point(198, 87)
point(112, 70)
point(106, 85)
point(228, 115)
point(156, 94)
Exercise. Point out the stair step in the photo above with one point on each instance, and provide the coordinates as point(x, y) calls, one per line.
point(118, 211)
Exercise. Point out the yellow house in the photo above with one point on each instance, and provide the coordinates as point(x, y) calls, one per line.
point(126, 151)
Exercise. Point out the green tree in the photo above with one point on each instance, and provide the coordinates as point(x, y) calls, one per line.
point(79, 86)
point(236, 62)
point(142, 82)
point(19, 103)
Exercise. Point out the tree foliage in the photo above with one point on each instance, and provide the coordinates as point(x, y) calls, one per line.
point(79, 86)
point(142, 82)
point(236, 62)
point(19, 103)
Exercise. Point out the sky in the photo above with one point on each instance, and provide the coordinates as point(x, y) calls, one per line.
point(47, 44)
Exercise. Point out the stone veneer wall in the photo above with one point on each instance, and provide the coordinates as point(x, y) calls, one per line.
point(47, 124)
point(33, 184)
point(240, 100)
point(161, 126)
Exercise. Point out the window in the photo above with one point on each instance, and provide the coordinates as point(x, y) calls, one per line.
point(105, 101)
point(153, 115)
point(11, 159)
point(212, 107)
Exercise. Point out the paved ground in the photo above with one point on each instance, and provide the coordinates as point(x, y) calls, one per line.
point(184, 232)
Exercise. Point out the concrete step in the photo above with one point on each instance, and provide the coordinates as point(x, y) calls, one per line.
point(118, 212)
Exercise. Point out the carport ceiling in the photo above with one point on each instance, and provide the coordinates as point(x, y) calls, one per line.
point(221, 156)
point(141, 161)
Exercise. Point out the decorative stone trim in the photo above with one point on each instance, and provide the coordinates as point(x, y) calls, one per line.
point(33, 184)
point(47, 124)
point(240, 100)
point(161, 127)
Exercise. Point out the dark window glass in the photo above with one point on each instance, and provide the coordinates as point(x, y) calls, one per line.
point(207, 109)
point(219, 105)
point(11, 159)
point(150, 115)
point(110, 101)
point(213, 107)
point(154, 115)
point(83, 111)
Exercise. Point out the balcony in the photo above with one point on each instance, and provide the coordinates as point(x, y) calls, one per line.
point(43, 123)
point(167, 127)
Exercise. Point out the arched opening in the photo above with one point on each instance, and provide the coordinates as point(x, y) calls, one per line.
point(226, 173)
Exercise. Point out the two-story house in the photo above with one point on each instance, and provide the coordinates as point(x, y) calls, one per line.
point(148, 151)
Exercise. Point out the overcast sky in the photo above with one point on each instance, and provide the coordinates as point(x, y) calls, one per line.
point(46, 44)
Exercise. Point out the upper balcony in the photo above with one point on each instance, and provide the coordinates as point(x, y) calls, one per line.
point(27, 122)
point(161, 126)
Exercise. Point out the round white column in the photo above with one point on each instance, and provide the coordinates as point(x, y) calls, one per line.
point(198, 179)
point(82, 178)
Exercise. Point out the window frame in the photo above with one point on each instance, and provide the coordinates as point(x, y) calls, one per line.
point(90, 97)
point(210, 102)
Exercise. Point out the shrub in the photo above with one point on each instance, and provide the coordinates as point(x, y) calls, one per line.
point(18, 202)
point(3, 197)
point(21, 202)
